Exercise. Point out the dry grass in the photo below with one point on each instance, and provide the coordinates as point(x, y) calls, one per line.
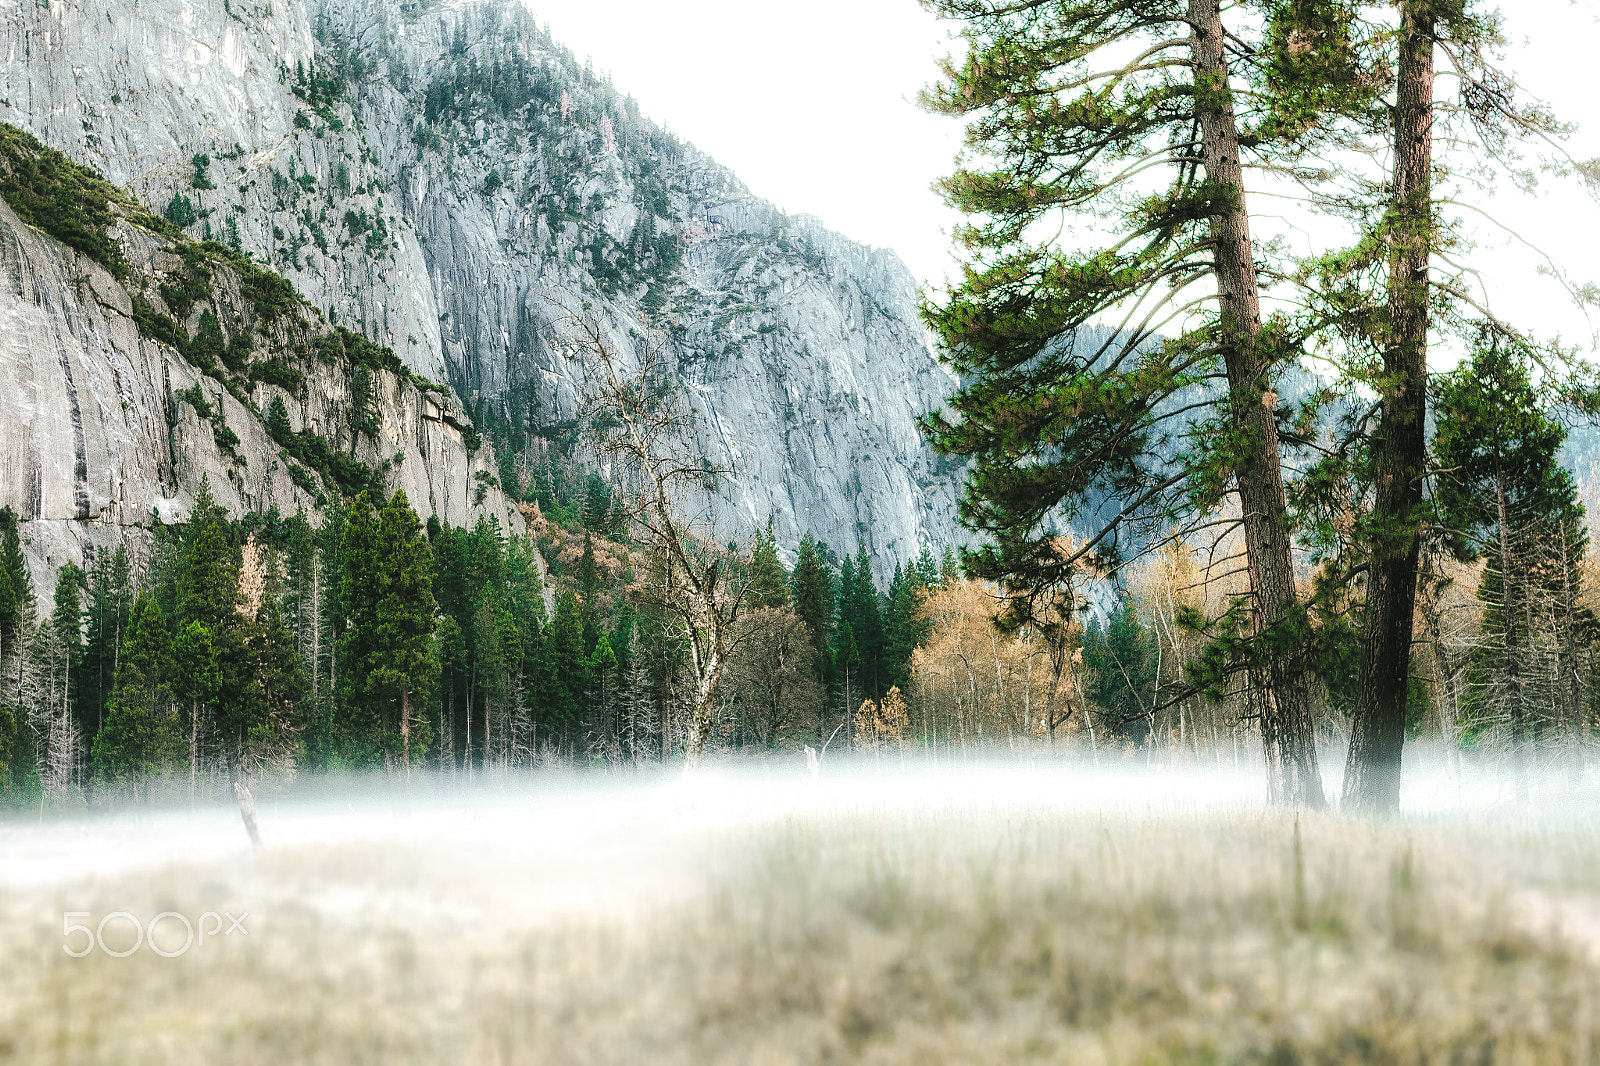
point(960, 935)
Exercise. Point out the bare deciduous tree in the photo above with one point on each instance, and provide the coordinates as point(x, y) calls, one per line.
point(638, 421)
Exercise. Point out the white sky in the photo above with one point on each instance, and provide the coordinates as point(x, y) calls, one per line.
point(812, 105)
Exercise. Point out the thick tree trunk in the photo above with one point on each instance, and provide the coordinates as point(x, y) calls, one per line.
point(709, 673)
point(1287, 733)
point(1372, 771)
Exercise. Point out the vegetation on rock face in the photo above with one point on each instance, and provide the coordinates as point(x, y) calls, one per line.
point(70, 202)
point(267, 340)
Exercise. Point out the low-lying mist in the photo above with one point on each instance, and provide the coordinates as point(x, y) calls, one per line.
point(892, 909)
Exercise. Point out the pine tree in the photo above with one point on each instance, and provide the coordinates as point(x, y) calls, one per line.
point(847, 656)
point(1123, 658)
point(197, 680)
point(813, 599)
point(359, 728)
point(1503, 492)
point(16, 600)
point(568, 664)
point(141, 735)
point(277, 422)
point(16, 588)
point(603, 674)
point(767, 587)
point(949, 569)
point(589, 591)
point(208, 575)
point(110, 602)
point(906, 628)
point(489, 667)
point(1064, 421)
point(860, 607)
point(403, 616)
point(66, 621)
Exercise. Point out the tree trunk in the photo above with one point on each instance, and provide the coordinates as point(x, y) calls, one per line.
point(1516, 703)
point(1287, 734)
point(1570, 685)
point(405, 728)
point(1377, 735)
point(194, 746)
point(316, 623)
point(707, 675)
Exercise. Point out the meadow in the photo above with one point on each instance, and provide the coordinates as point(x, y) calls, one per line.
point(894, 911)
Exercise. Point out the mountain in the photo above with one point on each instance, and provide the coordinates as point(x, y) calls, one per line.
point(445, 178)
point(135, 363)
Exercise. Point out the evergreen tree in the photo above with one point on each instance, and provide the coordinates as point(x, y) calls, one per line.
point(66, 621)
point(197, 680)
point(404, 614)
point(140, 736)
point(451, 654)
point(208, 575)
point(602, 670)
point(277, 422)
point(110, 602)
point(489, 666)
point(361, 731)
point(1064, 420)
point(589, 591)
point(813, 598)
point(949, 569)
point(767, 586)
point(16, 588)
point(847, 658)
point(1123, 661)
point(1503, 492)
point(568, 663)
point(906, 628)
point(859, 606)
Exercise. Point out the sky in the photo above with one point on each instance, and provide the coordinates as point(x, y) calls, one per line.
point(813, 106)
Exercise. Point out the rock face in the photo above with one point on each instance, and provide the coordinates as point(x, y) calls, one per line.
point(445, 178)
point(104, 431)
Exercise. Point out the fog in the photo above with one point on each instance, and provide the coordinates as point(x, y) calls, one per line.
point(643, 894)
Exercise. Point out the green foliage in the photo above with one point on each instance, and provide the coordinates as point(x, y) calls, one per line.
point(141, 734)
point(201, 179)
point(813, 594)
point(349, 477)
point(16, 592)
point(208, 580)
point(196, 674)
point(70, 202)
point(180, 211)
point(1495, 442)
point(387, 591)
point(280, 373)
point(1122, 658)
point(157, 326)
point(767, 585)
point(861, 614)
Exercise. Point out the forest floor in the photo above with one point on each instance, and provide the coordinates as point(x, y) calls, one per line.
point(897, 913)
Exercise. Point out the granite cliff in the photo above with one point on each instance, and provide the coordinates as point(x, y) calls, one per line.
point(135, 362)
point(442, 178)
